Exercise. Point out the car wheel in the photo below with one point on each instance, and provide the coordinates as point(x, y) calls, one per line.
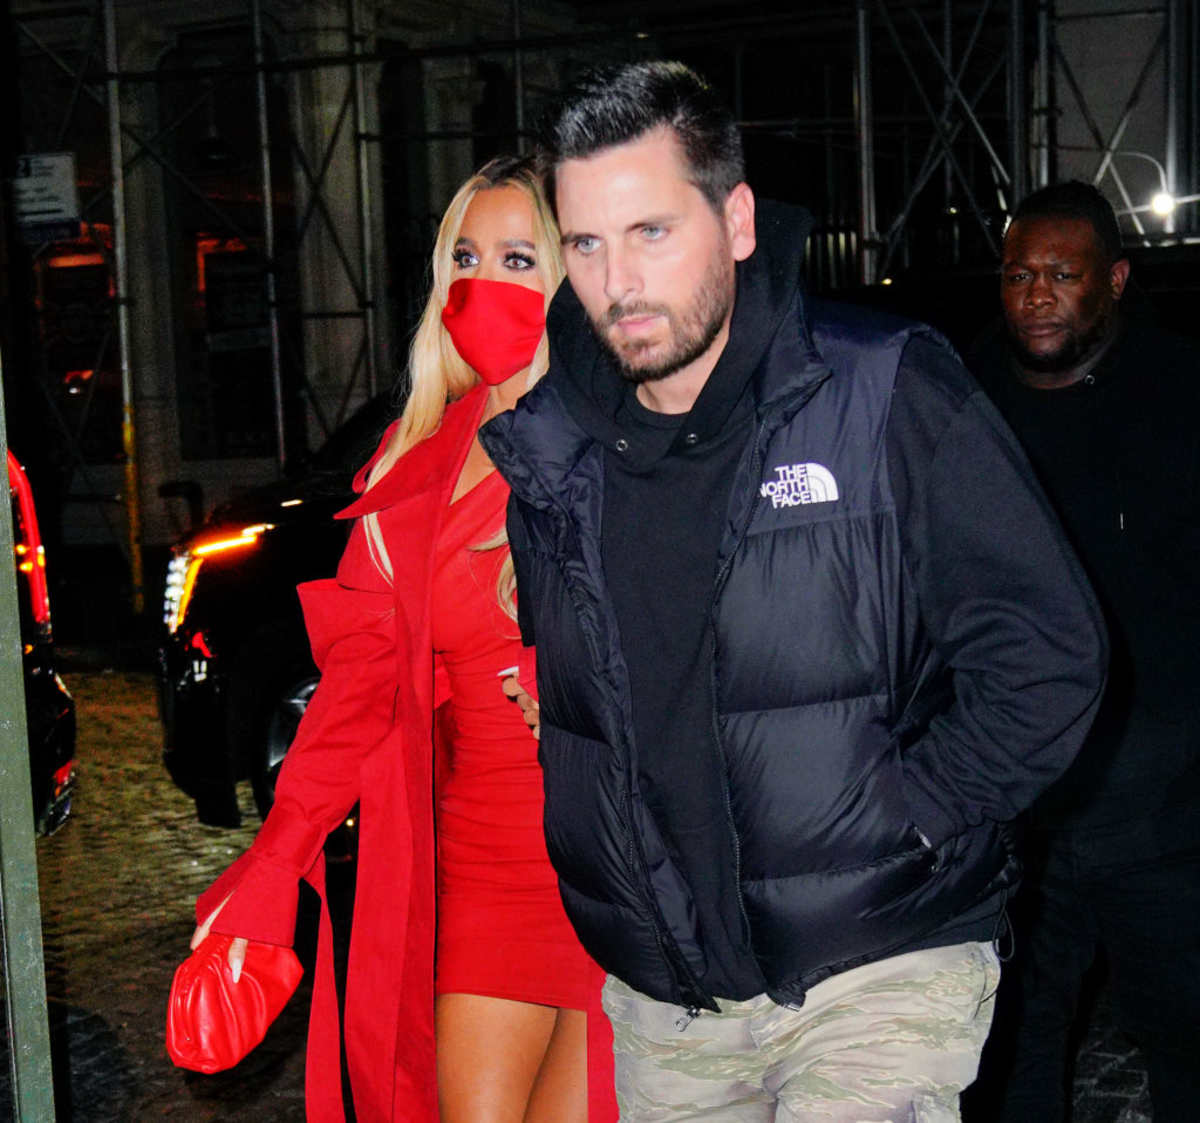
point(282, 722)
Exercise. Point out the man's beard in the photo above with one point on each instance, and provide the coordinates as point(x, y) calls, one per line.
point(1076, 349)
point(691, 333)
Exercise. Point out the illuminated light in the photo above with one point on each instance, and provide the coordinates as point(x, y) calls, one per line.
point(206, 244)
point(181, 577)
point(27, 539)
point(247, 536)
point(291, 502)
point(75, 260)
point(185, 565)
point(952, 210)
point(200, 643)
point(29, 649)
point(1162, 204)
point(189, 583)
point(224, 544)
point(64, 777)
point(886, 281)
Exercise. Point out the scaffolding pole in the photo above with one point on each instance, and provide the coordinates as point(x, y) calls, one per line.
point(268, 211)
point(1018, 109)
point(366, 227)
point(1046, 109)
point(1176, 46)
point(867, 249)
point(519, 77)
point(133, 490)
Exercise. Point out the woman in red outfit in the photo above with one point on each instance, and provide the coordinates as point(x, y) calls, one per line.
point(418, 621)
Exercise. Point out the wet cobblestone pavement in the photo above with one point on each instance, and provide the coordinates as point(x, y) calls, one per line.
point(118, 885)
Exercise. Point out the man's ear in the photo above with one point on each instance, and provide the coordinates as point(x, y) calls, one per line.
point(1118, 275)
point(739, 221)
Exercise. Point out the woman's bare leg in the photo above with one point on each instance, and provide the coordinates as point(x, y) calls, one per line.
point(489, 1054)
point(560, 1091)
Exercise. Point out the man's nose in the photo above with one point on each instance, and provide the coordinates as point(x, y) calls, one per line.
point(1040, 291)
point(621, 279)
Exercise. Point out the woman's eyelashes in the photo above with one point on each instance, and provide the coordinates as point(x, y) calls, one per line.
point(516, 260)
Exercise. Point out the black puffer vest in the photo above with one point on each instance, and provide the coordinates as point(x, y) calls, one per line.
point(823, 674)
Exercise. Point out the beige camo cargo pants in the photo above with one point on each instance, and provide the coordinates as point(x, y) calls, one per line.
point(892, 1042)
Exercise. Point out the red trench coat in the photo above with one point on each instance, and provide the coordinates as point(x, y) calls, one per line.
point(368, 736)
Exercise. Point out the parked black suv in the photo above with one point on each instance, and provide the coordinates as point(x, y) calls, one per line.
point(236, 672)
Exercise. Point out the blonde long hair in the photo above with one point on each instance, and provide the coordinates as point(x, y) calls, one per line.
point(437, 373)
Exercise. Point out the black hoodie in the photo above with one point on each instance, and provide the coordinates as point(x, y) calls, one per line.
point(1119, 455)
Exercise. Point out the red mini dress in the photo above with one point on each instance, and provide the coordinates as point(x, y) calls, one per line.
point(501, 928)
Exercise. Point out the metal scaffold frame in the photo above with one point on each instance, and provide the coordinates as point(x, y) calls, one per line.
point(971, 123)
point(102, 81)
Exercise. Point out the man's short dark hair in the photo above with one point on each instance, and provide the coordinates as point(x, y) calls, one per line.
point(616, 104)
point(1074, 199)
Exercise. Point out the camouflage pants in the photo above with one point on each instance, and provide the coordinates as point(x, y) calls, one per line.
point(891, 1042)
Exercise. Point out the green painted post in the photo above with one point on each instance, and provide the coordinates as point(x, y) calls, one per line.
point(20, 909)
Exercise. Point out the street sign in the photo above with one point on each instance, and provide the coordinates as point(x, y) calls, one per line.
point(46, 199)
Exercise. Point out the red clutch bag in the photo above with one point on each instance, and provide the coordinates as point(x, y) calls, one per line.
point(213, 1022)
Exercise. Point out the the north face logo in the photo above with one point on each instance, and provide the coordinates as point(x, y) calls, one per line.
point(800, 483)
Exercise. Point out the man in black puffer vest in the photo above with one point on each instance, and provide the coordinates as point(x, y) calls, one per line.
point(1107, 404)
point(808, 638)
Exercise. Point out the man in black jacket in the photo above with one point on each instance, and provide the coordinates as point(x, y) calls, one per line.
point(808, 638)
point(1108, 409)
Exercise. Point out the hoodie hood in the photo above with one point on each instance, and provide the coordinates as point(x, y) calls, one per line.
point(768, 288)
point(585, 382)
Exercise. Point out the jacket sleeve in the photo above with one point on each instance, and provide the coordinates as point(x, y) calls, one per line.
point(1002, 596)
point(351, 626)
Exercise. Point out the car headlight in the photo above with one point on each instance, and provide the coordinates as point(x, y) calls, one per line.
point(186, 562)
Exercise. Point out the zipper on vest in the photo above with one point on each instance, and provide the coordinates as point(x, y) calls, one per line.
point(687, 1017)
point(756, 462)
point(671, 955)
point(690, 994)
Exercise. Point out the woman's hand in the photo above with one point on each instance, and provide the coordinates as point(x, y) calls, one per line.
point(237, 949)
point(530, 710)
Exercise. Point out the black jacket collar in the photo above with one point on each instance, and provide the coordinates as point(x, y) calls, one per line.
point(768, 283)
point(583, 382)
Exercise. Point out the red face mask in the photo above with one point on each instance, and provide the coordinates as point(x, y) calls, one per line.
point(496, 326)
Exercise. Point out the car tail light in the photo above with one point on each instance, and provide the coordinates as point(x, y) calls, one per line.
point(64, 778)
point(187, 560)
point(27, 542)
